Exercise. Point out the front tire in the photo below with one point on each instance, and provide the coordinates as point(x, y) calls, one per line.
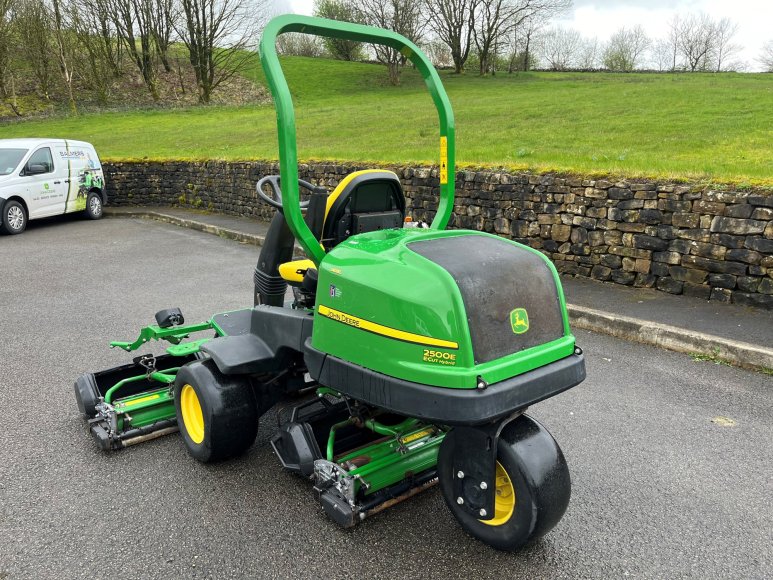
point(94, 206)
point(533, 487)
point(216, 413)
point(14, 218)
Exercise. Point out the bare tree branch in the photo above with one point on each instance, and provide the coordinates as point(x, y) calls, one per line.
point(220, 37)
point(402, 16)
point(453, 21)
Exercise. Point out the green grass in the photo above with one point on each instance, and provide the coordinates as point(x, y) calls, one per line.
point(707, 127)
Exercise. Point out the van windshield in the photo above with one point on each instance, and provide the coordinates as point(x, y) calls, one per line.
point(10, 159)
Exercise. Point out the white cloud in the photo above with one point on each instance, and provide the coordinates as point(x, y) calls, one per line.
point(602, 18)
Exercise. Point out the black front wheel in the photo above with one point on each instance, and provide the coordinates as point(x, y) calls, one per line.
point(14, 218)
point(532, 487)
point(94, 206)
point(216, 413)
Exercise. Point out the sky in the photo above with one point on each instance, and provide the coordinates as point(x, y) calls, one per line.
point(601, 18)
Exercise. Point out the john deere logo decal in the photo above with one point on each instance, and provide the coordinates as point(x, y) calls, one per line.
point(519, 320)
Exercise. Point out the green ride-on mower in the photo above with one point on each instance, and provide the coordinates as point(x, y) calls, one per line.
point(413, 352)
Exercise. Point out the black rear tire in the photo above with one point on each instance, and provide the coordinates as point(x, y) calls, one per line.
point(225, 423)
point(14, 218)
point(94, 206)
point(539, 479)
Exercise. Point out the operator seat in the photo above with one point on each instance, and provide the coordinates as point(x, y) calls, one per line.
point(364, 201)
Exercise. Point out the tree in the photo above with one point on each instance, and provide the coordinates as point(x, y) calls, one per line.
point(297, 44)
point(453, 22)
point(94, 53)
point(662, 55)
point(343, 10)
point(493, 20)
point(496, 19)
point(766, 57)
point(438, 53)
point(560, 47)
point(6, 19)
point(34, 18)
point(625, 49)
point(219, 36)
point(696, 41)
point(162, 28)
point(402, 16)
point(100, 15)
point(65, 51)
point(588, 55)
point(724, 31)
point(672, 40)
point(134, 22)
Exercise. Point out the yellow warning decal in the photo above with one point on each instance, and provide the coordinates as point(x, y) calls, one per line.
point(414, 436)
point(375, 328)
point(143, 399)
point(443, 159)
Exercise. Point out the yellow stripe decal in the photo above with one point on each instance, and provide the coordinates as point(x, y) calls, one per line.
point(143, 399)
point(356, 322)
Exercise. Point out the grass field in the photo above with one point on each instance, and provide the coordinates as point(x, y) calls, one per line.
point(681, 126)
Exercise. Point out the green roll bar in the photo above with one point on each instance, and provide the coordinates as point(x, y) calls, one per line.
point(285, 114)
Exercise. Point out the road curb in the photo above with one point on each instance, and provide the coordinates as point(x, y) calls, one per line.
point(741, 354)
point(673, 338)
point(186, 223)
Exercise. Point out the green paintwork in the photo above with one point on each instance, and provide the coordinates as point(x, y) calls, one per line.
point(145, 408)
point(387, 430)
point(186, 348)
point(166, 377)
point(173, 334)
point(379, 279)
point(390, 461)
point(288, 155)
point(145, 412)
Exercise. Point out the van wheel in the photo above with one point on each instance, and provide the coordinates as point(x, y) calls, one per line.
point(94, 206)
point(14, 218)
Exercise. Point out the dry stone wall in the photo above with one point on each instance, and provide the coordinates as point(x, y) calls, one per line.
point(712, 243)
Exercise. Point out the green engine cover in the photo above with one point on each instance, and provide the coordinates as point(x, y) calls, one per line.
point(441, 308)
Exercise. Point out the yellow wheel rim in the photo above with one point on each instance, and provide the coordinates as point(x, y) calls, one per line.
point(193, 418)
point(504, 503)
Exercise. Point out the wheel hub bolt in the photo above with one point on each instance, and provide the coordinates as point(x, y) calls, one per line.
point(483, 485)
point(460, 475)
point(460, 500)
point(483, 513)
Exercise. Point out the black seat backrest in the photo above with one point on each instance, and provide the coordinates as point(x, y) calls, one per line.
point(364, 201)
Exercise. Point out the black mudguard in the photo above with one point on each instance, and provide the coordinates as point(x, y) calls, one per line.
point(539, 460)
point(241, 355)
point(266, 341)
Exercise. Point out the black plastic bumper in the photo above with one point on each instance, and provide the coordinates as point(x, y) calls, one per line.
point(445, 405)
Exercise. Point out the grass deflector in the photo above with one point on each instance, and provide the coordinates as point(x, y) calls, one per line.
point(406, 357)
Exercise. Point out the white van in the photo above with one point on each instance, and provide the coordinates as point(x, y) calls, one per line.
point(46, 177)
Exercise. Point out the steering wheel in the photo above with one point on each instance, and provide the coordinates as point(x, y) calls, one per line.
point(273, 184)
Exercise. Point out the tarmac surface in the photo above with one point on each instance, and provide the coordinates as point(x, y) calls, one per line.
point(671, 459)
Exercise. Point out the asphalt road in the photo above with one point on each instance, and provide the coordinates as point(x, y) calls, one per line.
point(659, 490)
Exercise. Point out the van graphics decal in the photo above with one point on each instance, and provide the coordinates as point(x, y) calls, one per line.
point(84, 174)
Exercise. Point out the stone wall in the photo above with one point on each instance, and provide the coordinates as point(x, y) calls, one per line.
point(715, 244)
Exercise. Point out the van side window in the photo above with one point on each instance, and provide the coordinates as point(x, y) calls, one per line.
point(41, 157)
